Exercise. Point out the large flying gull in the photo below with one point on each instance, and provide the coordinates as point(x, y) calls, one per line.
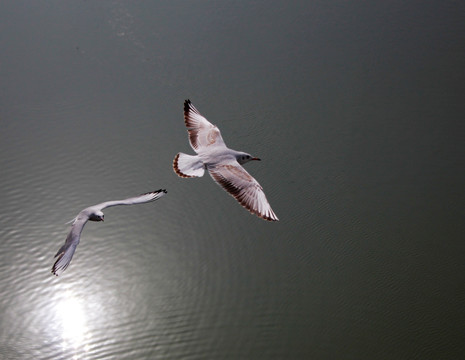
point(222, 163)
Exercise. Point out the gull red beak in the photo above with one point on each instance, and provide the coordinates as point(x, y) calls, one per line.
point(255, 158)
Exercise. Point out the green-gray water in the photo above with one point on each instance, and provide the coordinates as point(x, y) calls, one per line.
point(357, 112)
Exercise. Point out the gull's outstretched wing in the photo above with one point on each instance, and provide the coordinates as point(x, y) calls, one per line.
point(202, 134)
point(144, 198)
point(66, 252)
point(240, 184)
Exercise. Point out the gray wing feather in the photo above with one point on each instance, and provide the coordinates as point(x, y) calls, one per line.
point(202, 133)
point(243, 187)
point(66, 252)
point(143, 198)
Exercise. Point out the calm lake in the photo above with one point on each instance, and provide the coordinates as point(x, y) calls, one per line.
point(356, 110)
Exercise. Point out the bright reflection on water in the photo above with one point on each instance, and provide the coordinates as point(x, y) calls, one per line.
point(71, 315)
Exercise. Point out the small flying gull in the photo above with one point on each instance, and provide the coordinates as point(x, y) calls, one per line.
point(93, 213)
point(223, 164)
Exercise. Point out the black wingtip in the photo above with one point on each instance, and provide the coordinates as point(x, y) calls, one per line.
point(55, 267)
point(187, 104)
point(155, 192)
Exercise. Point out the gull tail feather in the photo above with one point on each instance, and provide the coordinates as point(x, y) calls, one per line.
point(188, 165)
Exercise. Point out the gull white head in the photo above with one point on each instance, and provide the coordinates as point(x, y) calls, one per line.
point(243, 157)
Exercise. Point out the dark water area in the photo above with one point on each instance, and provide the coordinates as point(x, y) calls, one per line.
point(356, 110)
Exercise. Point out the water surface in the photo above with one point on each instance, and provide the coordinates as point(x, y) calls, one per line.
point(356, 111)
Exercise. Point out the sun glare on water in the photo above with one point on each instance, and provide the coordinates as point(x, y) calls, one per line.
point(71, 314)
